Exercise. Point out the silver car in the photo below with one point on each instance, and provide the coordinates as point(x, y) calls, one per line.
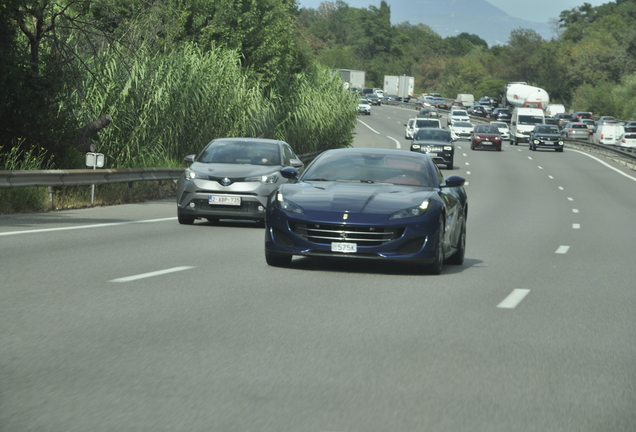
point(576, 131)
point(232, 179)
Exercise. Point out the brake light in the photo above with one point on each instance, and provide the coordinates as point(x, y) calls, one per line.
point(623, 140)
point(602, 136)
point(570, 130)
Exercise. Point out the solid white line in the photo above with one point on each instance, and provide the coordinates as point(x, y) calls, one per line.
point(151, 274)
point(372, 130)
point(514, 298)
point(85, 226)
point(397, 143)
point(606, 164)
point(575, 210)
point(562, 249)
point(576, 226)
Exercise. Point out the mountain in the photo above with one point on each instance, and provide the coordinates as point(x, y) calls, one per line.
point(452, 17)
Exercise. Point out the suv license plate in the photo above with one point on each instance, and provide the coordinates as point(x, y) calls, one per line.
point(344, 247)
point(224, 200)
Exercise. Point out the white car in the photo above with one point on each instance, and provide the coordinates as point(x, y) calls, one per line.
point(458, 115)
point(461, 130)
point(364, 107)
point(503, 129)
point(420, 122)
point(628, 139)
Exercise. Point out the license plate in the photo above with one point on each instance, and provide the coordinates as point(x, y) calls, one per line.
point(486, 143)
point(224, 200)
point(344, 247)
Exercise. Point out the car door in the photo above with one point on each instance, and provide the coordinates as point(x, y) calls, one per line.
point(453, 208)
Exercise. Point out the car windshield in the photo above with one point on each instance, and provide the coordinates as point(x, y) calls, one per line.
point(432, 135)
point(463, 124)
point(547, 129)
point(530, 120)
point(579, 126)
point(240, 152)
point(460, 113)
point(370, 168)
point(487, 129)
point(420, 123)
point(500, 125)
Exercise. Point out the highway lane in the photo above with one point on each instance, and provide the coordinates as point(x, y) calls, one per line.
point(221, 341)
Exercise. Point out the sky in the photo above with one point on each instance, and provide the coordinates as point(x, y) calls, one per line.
point(529, 10)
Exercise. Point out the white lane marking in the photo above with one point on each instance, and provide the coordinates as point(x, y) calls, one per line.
point(540, 167)
point(466, 184)
point(397, 143)
point(560, 187)
point(85, 226)
point(570, 199)
point(465, 154)
point(152, 274)
point(467, 163)
point(550, 177)
point(562, 249)
point(467, 172)
point(575, 210)
point(514, 298)
point(521, 150)
point(606, 164)
point(576, 226)
point(372, 130)
point(529, 157)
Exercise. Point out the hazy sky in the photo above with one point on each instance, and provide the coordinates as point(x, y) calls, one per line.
point(538, 10)
point(529, 10)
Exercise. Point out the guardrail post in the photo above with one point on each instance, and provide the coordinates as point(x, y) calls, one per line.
point(51, 202)
point(130, 191)
point(160, 189)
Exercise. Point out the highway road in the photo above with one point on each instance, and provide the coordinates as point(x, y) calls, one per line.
point(120, 319)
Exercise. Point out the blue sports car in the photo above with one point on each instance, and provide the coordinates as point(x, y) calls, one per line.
point(369, 204)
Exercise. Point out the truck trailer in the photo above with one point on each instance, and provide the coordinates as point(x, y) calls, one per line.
point(353, 78)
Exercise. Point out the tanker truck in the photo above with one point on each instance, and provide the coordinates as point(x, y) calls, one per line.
point(521, 95)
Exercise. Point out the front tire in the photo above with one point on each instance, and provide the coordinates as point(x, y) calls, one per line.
point(435, 268)
point(277, 259)
point(458, 257)
point(183, 219)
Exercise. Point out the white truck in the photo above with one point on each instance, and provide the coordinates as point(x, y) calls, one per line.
point(522, 95)
point(522, 122)
point(353, 78)
point(401, 85)
point(391, 83)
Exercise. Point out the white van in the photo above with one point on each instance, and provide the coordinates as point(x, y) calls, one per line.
point(608, 133)
point(466, 99)
point(522, 122)
point(554, 109)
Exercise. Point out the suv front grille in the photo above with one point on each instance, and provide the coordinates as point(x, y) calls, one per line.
point(362, 235)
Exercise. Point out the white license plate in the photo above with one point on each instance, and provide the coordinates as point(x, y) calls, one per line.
point(344, 247)
point(224, 200)
point(486, 143)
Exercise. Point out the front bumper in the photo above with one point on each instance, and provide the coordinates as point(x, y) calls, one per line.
point(549, 144)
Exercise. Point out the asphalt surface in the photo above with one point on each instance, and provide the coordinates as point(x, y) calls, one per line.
point(120, 319)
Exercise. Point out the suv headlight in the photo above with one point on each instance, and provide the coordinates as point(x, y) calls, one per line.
point(191, 175)
point(265, 179)
point(412, 211)
point(287, 205)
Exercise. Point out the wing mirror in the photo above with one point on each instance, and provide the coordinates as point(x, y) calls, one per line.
point(289, 173)
point(190, 158)
point(455, 181)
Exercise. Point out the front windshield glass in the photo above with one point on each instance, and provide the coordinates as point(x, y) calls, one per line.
point(487, 129)
point(548, 129)
point(433, 135)
point(530, 120)
point(241, 152)
point(463, 124)
point(426, 123)
point(501, 125)
point(370, 168)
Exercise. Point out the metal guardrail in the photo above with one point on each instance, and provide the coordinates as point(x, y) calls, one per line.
point(80, 177)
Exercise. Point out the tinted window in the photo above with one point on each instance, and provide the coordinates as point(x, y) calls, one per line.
point(433, 135)
point(241, 153)
point(530, 120)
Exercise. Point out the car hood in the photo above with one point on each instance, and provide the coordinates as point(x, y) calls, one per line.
point(233, 170)
point(342, 196)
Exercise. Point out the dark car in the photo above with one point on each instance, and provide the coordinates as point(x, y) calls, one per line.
point(232, 178)
point(440, 103)
point(580, 115)
point(546, 136)
point(630, 126)
point(429, 112)
point(374, 204)
point(501, 114)
point(478, 110)
point(563, 118)
point(436, 142)
point(550, 121)
point(485, 136)
point(374, 99)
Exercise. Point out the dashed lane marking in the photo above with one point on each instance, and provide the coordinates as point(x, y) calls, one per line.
point(576, 226)
point(152, 274)
point(562, 250)
point(514, 298)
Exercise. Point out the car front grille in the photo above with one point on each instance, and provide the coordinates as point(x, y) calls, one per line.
point(246, 206)
point(362, 235)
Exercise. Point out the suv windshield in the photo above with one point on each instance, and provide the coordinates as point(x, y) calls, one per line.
point(530, 120)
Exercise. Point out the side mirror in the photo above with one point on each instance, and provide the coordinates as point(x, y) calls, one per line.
point(190, 158)
point(455, 181)
point(289, 173)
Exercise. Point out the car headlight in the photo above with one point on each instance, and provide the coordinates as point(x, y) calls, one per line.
point(415, 146)
point(560, 142)
point(287, 205)
point(265, 179)
point(537, 141)
point(412, 211)
point(448, 148)
point(191, 175)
